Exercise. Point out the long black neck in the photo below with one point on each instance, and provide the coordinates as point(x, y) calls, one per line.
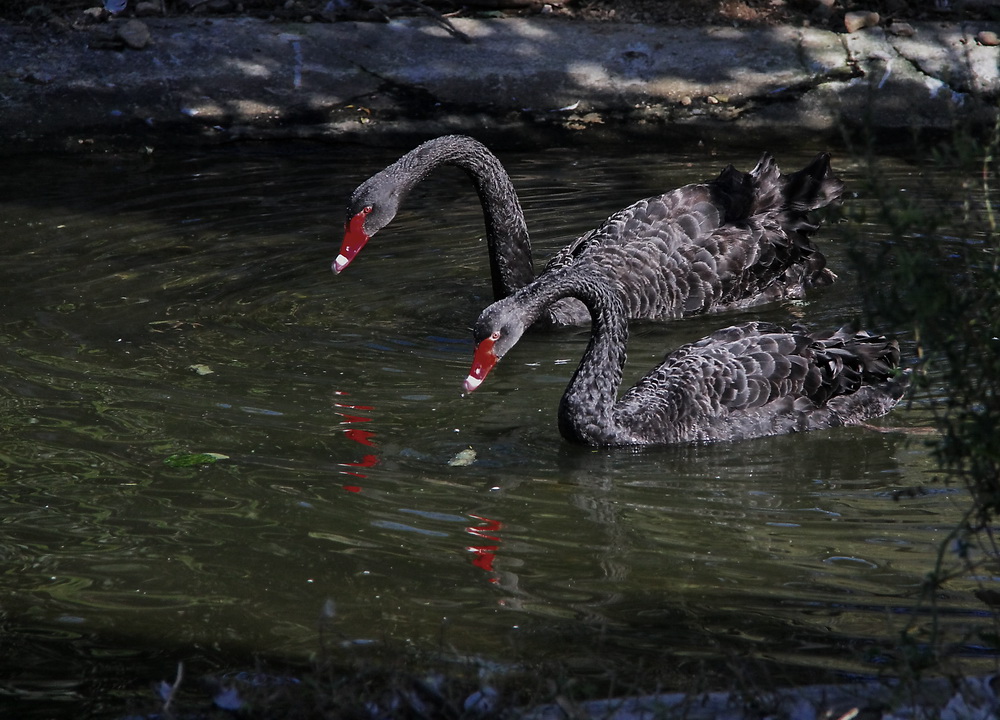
point(506, 231)
point(587, 409)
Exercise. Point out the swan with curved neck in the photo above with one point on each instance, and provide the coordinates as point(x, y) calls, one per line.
point(732, 242)
point(740, 382)
point(376, 201)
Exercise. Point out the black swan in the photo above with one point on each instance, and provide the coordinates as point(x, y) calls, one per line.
point(741, 382)
point(732, 242)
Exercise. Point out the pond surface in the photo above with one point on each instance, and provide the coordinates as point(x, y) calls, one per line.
point(159, 306)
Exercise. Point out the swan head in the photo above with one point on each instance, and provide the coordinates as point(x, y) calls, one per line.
point(373, 206)
point(496, 331)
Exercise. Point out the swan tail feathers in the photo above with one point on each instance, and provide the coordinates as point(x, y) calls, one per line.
point(860, 371)
point(813, 187)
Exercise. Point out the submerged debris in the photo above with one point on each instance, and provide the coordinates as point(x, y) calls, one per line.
point(463, 458)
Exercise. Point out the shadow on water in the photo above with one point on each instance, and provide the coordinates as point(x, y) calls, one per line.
point(163, 307)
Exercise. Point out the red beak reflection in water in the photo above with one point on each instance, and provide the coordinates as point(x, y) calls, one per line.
point(484, 555)
point(355, 238)
point(362, 437)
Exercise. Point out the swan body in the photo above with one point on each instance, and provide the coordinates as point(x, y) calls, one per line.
point(740, 382)
point(739, 240)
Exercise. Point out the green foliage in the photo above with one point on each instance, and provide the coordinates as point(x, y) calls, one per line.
point(937, 273)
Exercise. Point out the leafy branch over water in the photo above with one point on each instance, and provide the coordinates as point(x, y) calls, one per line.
point(938, 273)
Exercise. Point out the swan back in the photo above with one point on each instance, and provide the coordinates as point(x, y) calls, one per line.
point(759, 379)
point(740, 240)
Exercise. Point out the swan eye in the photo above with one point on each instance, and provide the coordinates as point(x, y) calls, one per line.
point(495, 336)
point(366, 209)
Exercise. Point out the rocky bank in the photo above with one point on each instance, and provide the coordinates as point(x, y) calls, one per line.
point(124, 83)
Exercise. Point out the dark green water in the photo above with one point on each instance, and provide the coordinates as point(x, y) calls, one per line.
point(337, 401)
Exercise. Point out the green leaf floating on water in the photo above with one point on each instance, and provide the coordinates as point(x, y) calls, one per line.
point(183, 460)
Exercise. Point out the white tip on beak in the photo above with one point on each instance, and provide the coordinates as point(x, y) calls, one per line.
point(340, 263)
point(472, 382)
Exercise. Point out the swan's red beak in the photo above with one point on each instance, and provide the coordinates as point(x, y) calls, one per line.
point(354, 239)
point(482, 362)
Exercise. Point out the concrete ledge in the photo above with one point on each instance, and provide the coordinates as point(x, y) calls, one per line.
point(215, 80)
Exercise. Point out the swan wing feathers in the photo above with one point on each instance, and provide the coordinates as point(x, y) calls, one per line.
point(739, 240)
point(760, 379)
point(670, 221)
